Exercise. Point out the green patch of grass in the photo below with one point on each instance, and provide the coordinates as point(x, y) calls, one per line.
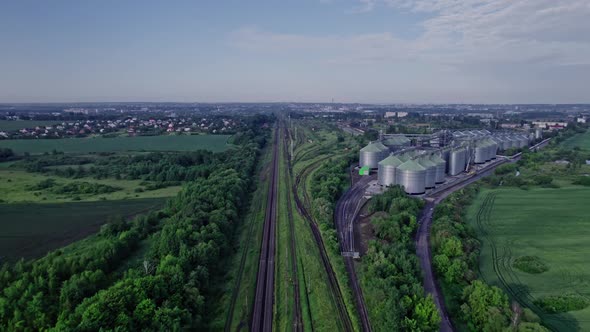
point(581, 140)
point(530, 264)
point(215, 143)
point(548, 223)
point(14, 186)
point(562, 303)
point(31, 230)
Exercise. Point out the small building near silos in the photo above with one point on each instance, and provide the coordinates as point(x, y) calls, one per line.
point(365, 170)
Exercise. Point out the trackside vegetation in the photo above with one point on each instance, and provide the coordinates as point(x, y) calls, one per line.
point(327, 184)
point(157, 272)
point(391, 275)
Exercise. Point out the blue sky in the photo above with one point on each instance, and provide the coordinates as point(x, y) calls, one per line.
point(381, 51)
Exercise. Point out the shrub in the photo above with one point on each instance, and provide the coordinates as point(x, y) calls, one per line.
point(562, 303)
point(530, 264)
point(583, 181)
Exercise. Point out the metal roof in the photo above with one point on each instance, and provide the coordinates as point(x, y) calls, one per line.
point(391, 161)
point(411, 165)
point(374, 147)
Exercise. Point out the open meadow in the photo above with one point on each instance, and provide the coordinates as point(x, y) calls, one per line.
point(535, 246)
point(31, 230)
point(16, 186)
point(582, 141)
point(215, 143)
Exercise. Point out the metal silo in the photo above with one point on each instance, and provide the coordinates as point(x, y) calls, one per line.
point(412, 176)
point(430, 171)
point(499, 142)
point(538, 133)
point(524, 141)
point(446, 154)
point(511, 142)
point(441, 166)
point(386, 170)
point(457, 161)
point(481, 153)
point(372, 154)
point(493, 148)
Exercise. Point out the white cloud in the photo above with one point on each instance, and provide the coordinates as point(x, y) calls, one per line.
point(546, 32)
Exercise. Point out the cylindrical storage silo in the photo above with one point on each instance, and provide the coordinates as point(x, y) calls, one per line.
point(499, 143)
point(457, 161)
point(392, 143)
point(386, 170)
point(491, 150)
point(524, 141)
point(480, 153)
point(430, 171)
point(538, 133)
point(491, 147)
point(372, 154)
point(412, 176)
point(446, 154)
point(441, 166)
point(494, 149)
point(508, 142)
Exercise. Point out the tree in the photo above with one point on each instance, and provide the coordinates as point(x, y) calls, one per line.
point(485, 307)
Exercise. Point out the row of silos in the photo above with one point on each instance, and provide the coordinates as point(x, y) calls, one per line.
point(485, 150)
point(414, 170)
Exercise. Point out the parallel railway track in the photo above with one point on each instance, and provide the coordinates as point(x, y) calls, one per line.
point(262, 315)
point(302, 208)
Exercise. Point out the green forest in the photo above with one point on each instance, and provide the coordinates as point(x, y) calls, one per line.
point(156, 272)
point(391, 275)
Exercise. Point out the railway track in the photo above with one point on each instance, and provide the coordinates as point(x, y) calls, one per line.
point(333, 282)
point(262, 315)
point(297, 319)
point(346, 210)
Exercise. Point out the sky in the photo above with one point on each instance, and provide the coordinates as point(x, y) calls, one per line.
point(367, 51)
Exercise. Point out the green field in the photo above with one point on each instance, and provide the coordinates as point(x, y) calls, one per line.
point(552, 225)
point(215, 143)
point(6, 125)
point(14, 186)
point(46, 227)
point(581, 140)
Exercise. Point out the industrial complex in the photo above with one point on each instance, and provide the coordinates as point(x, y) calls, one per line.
point(422, 162)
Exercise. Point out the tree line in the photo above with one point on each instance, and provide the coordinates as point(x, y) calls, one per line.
point(157, 272)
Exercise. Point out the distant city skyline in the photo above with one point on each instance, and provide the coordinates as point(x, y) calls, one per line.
point(365, 51)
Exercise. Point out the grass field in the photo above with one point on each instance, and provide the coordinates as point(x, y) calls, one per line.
point(6, 125)
point(582, 141)
point(14, 184)
point(30, 230)
point(215, 143)
point(552, 225)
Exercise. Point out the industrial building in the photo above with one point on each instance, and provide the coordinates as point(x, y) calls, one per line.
point(422, 162)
